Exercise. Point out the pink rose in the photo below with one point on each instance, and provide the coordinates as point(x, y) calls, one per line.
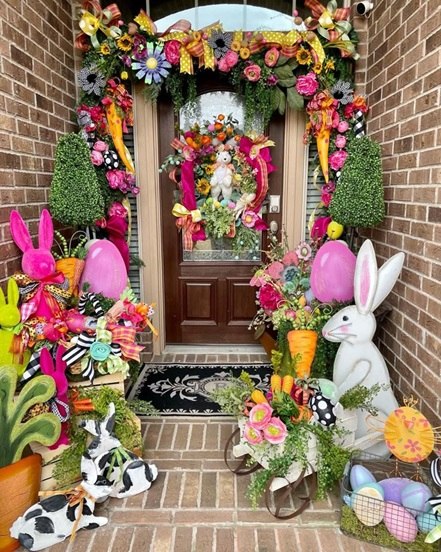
point(269, 298)
point(271, 57)
point(290, 258)
point(275, 432)
point(252, 435)
point(117, 209)
point(99, 145)
point(274, 270)
point(343, 126)
point(326, 198)
point(171, 51)
point(272, 80)
point(340, 141)
point(229, 60)
point(260, 416)
point(252, 72)
point(307, 85)
point(115, 178)
point(337, 159)
point(96, 157)
point(258, 279)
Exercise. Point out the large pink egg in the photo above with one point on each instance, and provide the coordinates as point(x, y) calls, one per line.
point(332, 273)
point(399, 522)
point(105, 270)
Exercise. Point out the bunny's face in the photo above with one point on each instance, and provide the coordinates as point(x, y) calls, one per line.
point(349, 326)
point(38, 263)
point(223, 158)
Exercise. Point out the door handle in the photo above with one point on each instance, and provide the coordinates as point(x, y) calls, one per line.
point(273, 227)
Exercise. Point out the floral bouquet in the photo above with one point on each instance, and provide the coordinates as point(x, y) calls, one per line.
point(222, 175)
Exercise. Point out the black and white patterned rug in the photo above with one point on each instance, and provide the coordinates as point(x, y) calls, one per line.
point(184, 389)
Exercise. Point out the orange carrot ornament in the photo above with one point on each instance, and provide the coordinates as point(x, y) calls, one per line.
point(115, 124)
point(276, 383)
point(287, 384)
point(302, 346)
point(323, 150)
point(258, 397)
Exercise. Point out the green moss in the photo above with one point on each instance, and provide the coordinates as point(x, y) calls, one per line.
point(359, 197)
point(350, 525)
point(75, 196)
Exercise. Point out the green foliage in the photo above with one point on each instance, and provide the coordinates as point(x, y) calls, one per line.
point(362, 397)
point(323, 364)
point(14, 433)
point(231, 398)
point(218, 218)
point(67, 469)
point(75, 197)
point(359, 197)
point(106, 303)
point(245, 239)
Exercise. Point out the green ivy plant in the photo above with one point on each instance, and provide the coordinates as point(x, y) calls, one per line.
point(75, 196)
point(358, 199)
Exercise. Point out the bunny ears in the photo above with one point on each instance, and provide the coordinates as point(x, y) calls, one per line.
point(22, 237)
point(13, 294)
point(372, 286)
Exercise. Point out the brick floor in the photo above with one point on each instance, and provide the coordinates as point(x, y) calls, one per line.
point(198, 505)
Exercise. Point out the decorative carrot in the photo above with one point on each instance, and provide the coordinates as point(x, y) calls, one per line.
point(114, 122)
point(258, 397)
point(323, 150)
point(276, 383)
point(287, 384)
point(302, 346)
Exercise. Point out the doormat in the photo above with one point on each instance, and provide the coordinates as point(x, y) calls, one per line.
point(184, 389)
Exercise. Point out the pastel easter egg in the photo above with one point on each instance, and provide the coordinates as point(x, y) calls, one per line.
point(392, 488)
point(414, 496)
point(104, 270)
point(399, 522)
point(368, 504)
point(360, 476)
point(426, 522)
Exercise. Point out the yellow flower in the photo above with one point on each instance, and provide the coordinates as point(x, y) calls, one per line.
point(105, 49)
point(329, 65)
point(209, 169)
point(303, 56)
point(124, 75)
point(244, 53)
point(203, 186)
point(317, 68)
point(125, 42)
point(235, 46)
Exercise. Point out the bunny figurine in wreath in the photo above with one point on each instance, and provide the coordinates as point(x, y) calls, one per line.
point(358, 361)
point(222, 180)
point(44, 292)
point(12, 347)
point(128, 473)
point(62, 513)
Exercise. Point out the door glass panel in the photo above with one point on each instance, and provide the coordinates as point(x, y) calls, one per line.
point(207, 107)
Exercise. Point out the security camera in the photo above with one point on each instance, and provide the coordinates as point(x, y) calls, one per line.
point(363, 8)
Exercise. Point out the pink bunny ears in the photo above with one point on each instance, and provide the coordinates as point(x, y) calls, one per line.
point(20, 232)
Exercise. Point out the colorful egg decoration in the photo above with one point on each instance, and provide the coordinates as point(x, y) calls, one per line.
point(323, 409)
point(399, 522)
point(427, 521)
point(360, 476)
point(334, 230)
point(414, 496)
point(368, 504)
point(392, 487)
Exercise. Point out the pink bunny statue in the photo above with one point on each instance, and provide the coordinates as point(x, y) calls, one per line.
point(59, 403)
point(358, 361)
point(12, 350)
point(44, 291)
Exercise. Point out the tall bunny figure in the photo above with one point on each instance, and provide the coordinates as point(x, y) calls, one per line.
point(43, 290)
point(358, 360)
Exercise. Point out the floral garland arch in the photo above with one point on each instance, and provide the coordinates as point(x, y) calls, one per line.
point(309, 67)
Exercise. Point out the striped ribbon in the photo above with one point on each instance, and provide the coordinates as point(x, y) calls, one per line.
point(85, 298)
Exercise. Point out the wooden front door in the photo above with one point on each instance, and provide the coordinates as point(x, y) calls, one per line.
point(208, 300)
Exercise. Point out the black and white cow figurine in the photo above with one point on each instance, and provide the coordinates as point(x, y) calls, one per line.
point(52, 520)
point(128, 473)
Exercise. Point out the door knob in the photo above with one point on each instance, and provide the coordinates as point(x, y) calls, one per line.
point(273, 227)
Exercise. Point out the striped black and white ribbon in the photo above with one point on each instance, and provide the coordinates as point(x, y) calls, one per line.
point(359, 127)
point(85, 298)
point(435, 470)
point(54, 404)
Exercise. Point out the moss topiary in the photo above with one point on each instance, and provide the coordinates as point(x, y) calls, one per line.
point(75, 197)
point(359, 197)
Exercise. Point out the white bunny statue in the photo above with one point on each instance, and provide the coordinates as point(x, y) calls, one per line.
point(222, 180)
point(358, 361)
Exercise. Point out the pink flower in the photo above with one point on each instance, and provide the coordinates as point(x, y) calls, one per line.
point(275, 432)
point(271, 57)
point(100, 146)
point(269, 298)
point(319, 227)
point(290, 258)
point(337, 159)
point(252, 435)
point(117, 209)
point(252, 72)
point(340, 141)
point(275, 270)
point(171, 51)
point(343, 126)
point(257, 280)
point(229, 60)
point(326, 198)
point(272, 80)
point(304, 251)
point(249, 218)
point(260, 416)
point(307, 85)
point(115, 178)
point(96, 157)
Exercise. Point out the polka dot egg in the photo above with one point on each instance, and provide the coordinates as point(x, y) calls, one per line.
point(111, 159)
point(323, 409)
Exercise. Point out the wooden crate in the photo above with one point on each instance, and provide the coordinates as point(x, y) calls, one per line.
point(116, 381)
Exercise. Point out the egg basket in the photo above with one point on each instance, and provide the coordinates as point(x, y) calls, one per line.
point(382, 522)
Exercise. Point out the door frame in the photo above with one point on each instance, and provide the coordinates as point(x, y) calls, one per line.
point(147, 163)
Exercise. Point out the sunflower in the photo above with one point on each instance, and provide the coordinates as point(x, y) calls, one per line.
point(125, 42)
point(209, 169)
point(105, 48)
point(303, 56)
point(329, 65)
point(203, 186)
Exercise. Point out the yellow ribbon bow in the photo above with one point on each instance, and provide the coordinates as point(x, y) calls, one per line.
point(189, 222)
point(100, 20)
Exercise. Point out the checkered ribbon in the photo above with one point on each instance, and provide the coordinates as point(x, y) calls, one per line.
point(125, 337)
point(85, 298)
point(359, 126)
point(32, 368)
point(55, 403)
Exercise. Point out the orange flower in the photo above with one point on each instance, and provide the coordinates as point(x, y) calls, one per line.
point(218, 126)
point(221, 136)
point(220, 117)
point(206, 140)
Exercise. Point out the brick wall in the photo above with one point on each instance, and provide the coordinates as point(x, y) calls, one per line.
point(403, 80)
point(37, 96)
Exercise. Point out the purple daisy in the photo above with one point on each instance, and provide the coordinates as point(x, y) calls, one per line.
point(153, 68)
